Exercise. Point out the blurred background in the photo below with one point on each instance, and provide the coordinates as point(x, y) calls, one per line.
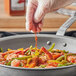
point(12, 16)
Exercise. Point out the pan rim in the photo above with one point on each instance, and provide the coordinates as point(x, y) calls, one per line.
point(38, 69)
point(39, 35)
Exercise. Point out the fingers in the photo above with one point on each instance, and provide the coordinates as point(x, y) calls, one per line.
point(42, 9)
point(39, 27)
point(32, 5)
point(39, 14)
point(30, 24)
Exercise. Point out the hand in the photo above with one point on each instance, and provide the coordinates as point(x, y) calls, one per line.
point(37, 9)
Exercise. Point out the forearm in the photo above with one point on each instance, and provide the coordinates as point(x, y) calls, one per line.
point(61, 3)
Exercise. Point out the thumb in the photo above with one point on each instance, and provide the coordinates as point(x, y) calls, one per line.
point(40, 13)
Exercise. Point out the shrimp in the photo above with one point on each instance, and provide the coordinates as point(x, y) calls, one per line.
point(42, 59)
point(71, 59)
point(15, 63)
point(49, 66)
point(1, 57)
point(10, 56)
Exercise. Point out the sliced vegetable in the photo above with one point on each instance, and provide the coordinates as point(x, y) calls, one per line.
point(31, 47)
point(1, 50)
point(18, 52)
point(65, 51)
point(22, 58)
point(56, 51)
point(32, 65)
point(42, 66)
point(60, 65)
point(9, 49)
point(64, 62)
point(34, 62)
point(28, 52)
point(20, 49)
point(60, 58)
point(71, 54)
point(9, 63)
point(36, 53)
point(56, 56)
point(9, 52)
point(53, 64)
point(52, 47)
point(65, 57)
point(37, 58)
point(5, 56)
point(67, 64)
point(28, 61)
point(54, 61)
point(47, 53)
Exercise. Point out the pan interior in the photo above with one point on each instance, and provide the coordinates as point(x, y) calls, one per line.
point(24, 41)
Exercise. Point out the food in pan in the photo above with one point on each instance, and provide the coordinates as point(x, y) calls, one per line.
point(37, 58)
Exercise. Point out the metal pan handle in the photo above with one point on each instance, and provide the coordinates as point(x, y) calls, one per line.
point(66, 25)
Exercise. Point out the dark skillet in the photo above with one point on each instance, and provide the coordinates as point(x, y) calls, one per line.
point(24, 41)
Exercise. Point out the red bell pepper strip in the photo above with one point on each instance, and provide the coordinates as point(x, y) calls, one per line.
point(56, 56)
point(22, 52)
point(47, 53)
point(18, 52)
point(54, 64)
point(33, 50)
point(26, 50)
point(8, 52)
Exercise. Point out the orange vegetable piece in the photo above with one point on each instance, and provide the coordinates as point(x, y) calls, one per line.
point(47, 53)
point(56, 56)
